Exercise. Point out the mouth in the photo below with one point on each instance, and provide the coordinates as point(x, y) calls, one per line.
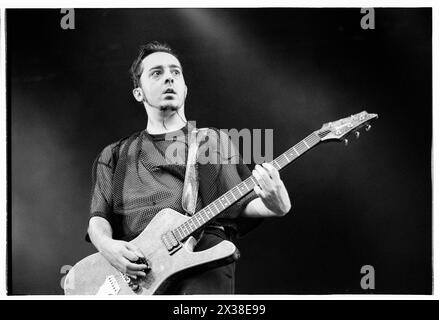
point(169, 91)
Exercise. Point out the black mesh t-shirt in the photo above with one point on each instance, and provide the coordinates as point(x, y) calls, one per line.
point(132, 180)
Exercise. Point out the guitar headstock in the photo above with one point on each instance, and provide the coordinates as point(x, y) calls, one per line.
point(338, 130)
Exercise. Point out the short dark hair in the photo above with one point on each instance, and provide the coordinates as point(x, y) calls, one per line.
point(144, 51)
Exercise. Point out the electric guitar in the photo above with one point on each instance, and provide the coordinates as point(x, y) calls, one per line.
point(167, 243)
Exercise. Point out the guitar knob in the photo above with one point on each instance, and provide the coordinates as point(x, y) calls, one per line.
point(357, 134)
point(368, 127)
point(134, 286)
point(346, 141)
point(131, 282)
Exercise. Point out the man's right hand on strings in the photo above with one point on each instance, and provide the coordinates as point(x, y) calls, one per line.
point(122, 255)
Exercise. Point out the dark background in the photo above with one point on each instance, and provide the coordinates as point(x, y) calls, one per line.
point(287, 69)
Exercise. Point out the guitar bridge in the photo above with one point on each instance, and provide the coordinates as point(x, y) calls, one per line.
point(109, 287)
point(171, 243)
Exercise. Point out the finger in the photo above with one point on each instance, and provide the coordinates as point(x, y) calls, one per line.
point(130, 269)
point(135, 274)
point(138, 269)
point(134, 249)
point(259, 179)
point(128, 254)
point(132, 276)
point(259, 191)
point(265, 177)
point(136, 266)
point(273, 172)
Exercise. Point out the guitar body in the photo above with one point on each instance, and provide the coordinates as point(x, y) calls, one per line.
point(89, 275)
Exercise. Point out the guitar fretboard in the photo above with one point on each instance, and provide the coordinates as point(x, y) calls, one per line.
point(233, 195)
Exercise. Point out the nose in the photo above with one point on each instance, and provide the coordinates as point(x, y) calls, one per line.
point(168, 77)
point(169, 80)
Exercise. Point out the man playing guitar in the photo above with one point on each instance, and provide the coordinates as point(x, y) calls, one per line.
point(132, 180)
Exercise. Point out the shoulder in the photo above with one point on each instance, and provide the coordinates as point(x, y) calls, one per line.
point(110, 153)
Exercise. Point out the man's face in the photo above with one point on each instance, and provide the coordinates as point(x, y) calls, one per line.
point(162, 81)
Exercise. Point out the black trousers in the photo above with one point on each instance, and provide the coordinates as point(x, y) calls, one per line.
point(220, 280)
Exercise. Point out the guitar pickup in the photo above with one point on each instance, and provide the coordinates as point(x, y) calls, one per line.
point(171, 243)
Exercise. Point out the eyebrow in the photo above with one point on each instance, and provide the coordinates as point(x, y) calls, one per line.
point(161, 67)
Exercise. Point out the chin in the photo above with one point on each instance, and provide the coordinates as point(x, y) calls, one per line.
point(169, 107)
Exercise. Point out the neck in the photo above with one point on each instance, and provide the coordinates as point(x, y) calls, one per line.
point(164, 121)
point(212, 210)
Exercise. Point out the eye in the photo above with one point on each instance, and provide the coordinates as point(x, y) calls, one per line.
point(176, 72)
point(155, 74)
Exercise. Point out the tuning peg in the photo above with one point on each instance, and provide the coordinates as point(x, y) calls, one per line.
point(346, 141)
point(357, 134)
point(368, 127)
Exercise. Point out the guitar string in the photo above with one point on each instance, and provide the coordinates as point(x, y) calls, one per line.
point(226, 200)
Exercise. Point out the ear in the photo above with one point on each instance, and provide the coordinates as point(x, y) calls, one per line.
point(138, 94)
point(185, 92)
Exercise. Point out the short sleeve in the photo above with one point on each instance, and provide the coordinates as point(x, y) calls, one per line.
point(101, 190)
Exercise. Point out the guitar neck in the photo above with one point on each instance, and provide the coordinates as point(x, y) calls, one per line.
point(239, 191)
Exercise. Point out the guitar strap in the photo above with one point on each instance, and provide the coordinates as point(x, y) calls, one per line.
point(191, 182)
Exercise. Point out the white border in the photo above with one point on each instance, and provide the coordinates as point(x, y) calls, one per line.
point(207, 4)
point(435, 155)
point(211, 4)
point(3, 192)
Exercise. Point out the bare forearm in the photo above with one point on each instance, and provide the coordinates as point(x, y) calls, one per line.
point(257, 209)
point(99, 230)
point(119, 253)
